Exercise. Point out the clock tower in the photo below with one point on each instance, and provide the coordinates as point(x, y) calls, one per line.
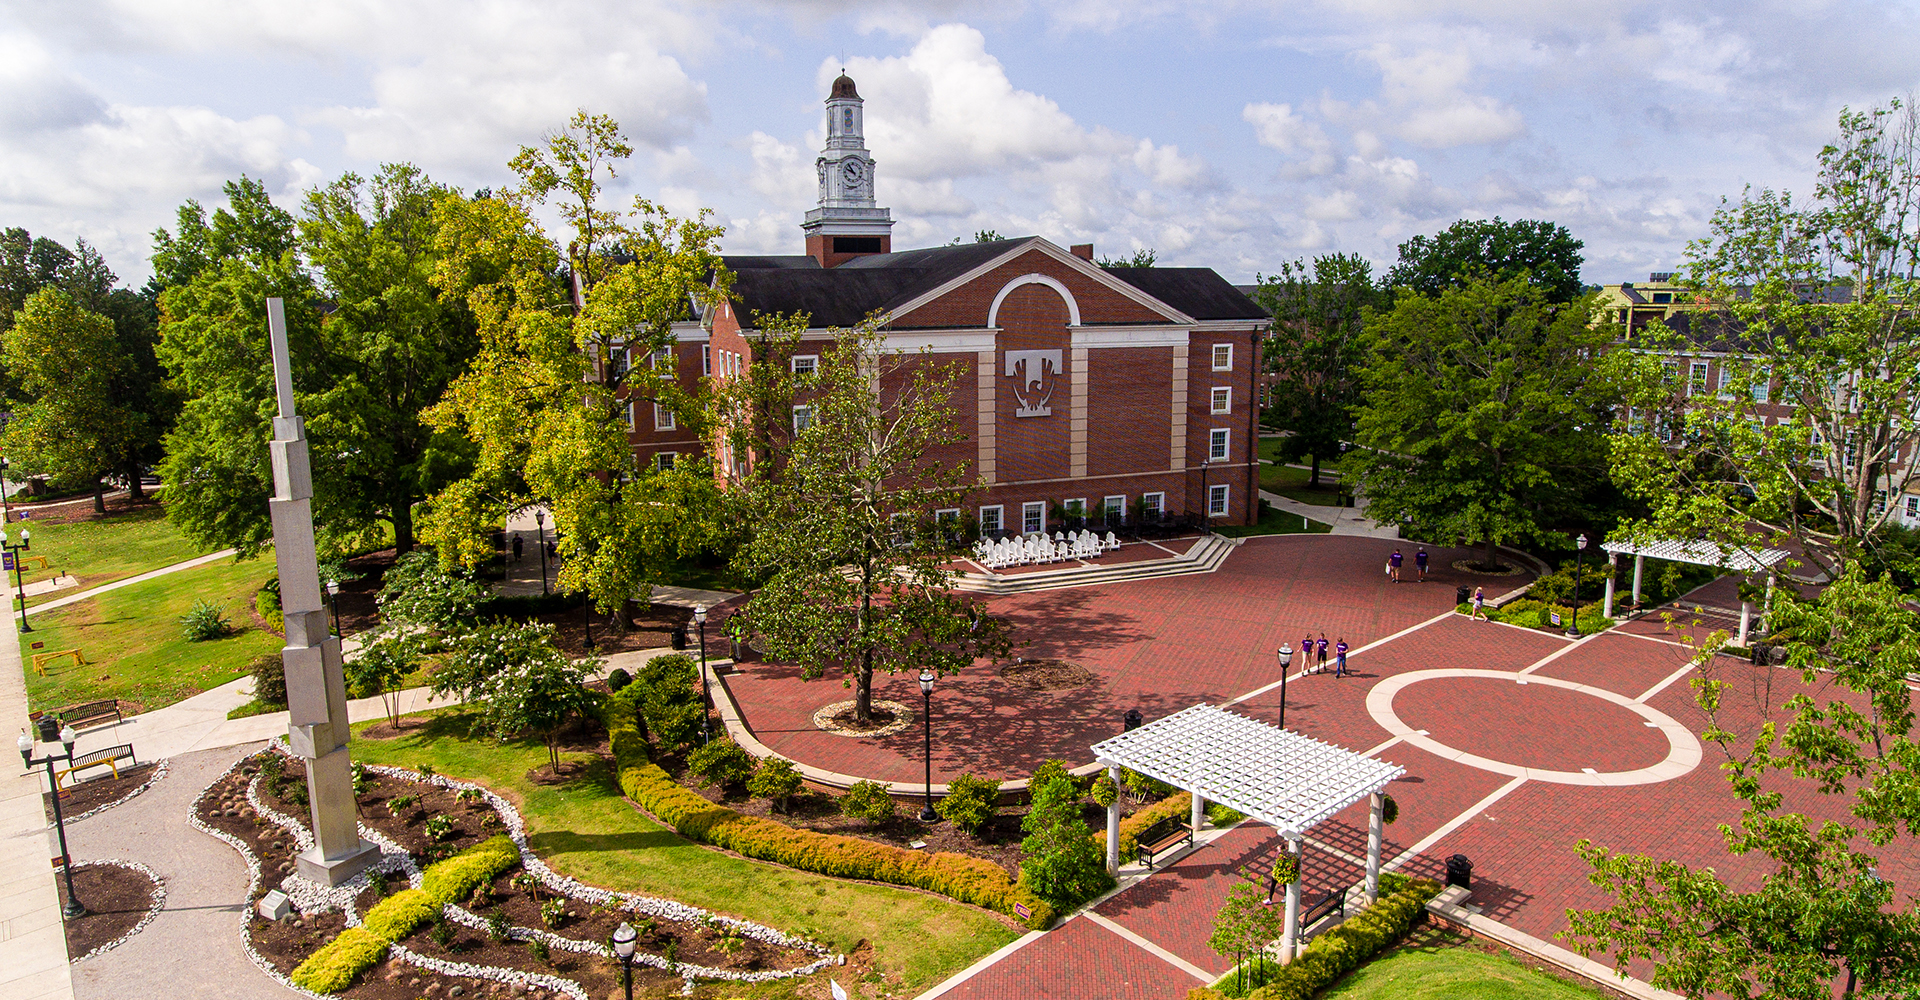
point(847, 224)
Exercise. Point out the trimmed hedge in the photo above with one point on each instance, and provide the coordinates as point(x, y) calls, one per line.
point(1341, 949)
point(333, 967)
point(1131, 827)
point(969, 880)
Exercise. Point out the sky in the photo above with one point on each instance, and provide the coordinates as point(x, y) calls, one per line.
point(1232, 135)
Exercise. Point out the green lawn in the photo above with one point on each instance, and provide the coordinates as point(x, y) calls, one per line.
point(131, 638)
point(103, 551)
point(586, 829)
point(1274, 522)
point(1438, 965)
point(1292, 483)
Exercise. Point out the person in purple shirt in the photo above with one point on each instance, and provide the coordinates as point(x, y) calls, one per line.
point(1420, 560)
point(1340, 658)
point(1323, 653)
point(1306, 653)
point(1393, 565)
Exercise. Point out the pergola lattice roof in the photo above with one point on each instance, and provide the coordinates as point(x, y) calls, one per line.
point(1698, 554)
point(1281, 778)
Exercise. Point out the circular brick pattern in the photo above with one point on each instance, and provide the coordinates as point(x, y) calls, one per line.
point(1561, 724)
point(826, 720)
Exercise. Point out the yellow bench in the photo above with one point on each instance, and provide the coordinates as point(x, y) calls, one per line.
point(42, 560)
point(40, 660)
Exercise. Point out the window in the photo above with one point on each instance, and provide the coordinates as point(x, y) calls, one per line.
point(1217, 497)
point(1697, 377)
point(630, 422)
point(1223, 357)
point(706, 359)
point(806, 364)
point(663, 419)
point(1726, 381)
point(1762, 385)
point(1218, 441)
point(1670, 372)
point(1076, 508)
point(1116, 508)
point(990, 518)
point(661, 361)
point(1912, 507)
point(802, 418)
point(1154, 503)
point(663, 460)
point(1223, 399)
point(617, 362)
point(946, 514)
point(1033, 517)
point(1662, 298)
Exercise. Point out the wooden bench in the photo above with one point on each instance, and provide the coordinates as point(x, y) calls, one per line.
point(111, 756)
point(79, 716)
point(40, 659)
point(1326, 902)
point(1166, 836)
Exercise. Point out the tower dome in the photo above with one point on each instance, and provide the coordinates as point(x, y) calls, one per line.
point(843, 87)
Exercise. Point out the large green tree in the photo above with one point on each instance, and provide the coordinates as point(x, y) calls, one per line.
point(567, 338)
point(1317, 347)
point(859, 579)
point(1481, 411)
point(1820, 914)
point(1810, 306)
point(1545, 252)
point(68, 422)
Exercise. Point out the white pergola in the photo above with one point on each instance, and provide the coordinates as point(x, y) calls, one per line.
point(1281, 778)
point(1698, 553)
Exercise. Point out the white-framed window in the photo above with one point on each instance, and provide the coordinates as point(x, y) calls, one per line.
point(946, 514)
point(1219, 444)
point(991, 518)
point(663, 460)
point(632, 425)
point(1726, 381)
point(1033, 517)
point(1223, 399)
point(1762, 385)
point(1154, 503)
point(1223, 357)
point(806, 364)
point(1116, 508)
point(1076, 507)
point(1218, 496)
point(1697, 377)
point(706, 359)
point(663, 419)
point(1670, 372)
point(661, 361)
point(802, 418)
point(617, 362)
point(1911, 507)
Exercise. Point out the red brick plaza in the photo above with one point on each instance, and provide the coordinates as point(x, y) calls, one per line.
point(1517, 744)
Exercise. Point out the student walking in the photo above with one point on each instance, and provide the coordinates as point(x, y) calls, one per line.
point(1306, 654)
point(1393, 565)
point(517, 542)
point(1420, 560)
point(1479, 603)
point(1323, 653)
point(1340, 658)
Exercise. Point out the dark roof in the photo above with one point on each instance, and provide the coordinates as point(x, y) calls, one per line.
point(1199, 292)
point(748, 263)
point(843, 87)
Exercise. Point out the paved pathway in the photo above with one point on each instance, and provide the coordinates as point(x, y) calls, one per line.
point(33, 948)
point(196, 938)
point(1344, 520)
point(129, 581)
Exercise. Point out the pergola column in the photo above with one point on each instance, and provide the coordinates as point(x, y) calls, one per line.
point(1198, 814)
point(1113, 826)
point(1766, 604)
point(1746, 620)
point(1613, 564)
point(1374, 817)
point(1290, 938)
point(1639, 567)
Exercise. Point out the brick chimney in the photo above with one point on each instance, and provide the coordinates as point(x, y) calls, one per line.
point(1084, 251)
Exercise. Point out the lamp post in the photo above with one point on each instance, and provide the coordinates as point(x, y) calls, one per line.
point(73, 908)
point(13, 553)
point(706, 693)
point(1573, 623)
point(1286, 660)
point(333, 604)
point(927, 815)
point(1206, 501)
point(540, 523)
point(623, 939)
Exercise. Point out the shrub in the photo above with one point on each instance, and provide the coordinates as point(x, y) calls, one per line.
point(1343, 948)
point(439, 827)
point(553, 913)
point(266, 602)
point(269, 678)
point(969, 880)
point(775, 780)
point(1131, 827)
point(867, 800)
point(721, 763)
point(204, 621)
point(537, 947)
point(497, 925)
point(666, 693)
point(1059, 858)
point(969, 802)
point(617, 679)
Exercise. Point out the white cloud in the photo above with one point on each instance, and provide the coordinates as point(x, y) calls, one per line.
point(1277, 127)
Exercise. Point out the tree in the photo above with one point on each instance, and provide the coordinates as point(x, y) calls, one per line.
point(381, 666)
point(566, 343)
point(859, 578)
point(1143, 257)
point(1317, 347)
point(1544, 252)
point(1245, 924)
point(418, 593)
point(1813, 307)
point(68, 421)
point(1059, 858)
point(1482, 411)
point(1820, 910)
point(532, 688)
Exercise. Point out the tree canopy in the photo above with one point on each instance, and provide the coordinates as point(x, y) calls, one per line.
point(1545, 252)
point(1317, 347)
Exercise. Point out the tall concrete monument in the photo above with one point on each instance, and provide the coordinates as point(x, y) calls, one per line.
point(316, 688)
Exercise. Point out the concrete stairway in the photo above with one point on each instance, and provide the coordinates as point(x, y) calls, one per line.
point(1205, 556)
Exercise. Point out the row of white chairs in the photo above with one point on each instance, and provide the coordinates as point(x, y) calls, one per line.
point(1037, 548)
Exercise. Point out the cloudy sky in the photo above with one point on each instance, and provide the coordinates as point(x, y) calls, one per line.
point(1235, 135)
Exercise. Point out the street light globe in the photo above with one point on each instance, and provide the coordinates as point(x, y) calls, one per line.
point(1286, 656)
point(68, 736)
point(333, 588)
point(700, 613)
point(25, 743)
point(1581, 541)
point(623, 939)
point(26, 539)
point(926, 681)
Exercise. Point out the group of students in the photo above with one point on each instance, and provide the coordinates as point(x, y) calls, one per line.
point(1419, 561)
point(1310, 646)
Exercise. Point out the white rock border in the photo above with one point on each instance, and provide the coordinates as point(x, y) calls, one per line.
point(159, 771)
point(159, 901)
point(902, 718)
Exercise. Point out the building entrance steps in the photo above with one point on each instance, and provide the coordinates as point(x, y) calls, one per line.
point(1203, 556)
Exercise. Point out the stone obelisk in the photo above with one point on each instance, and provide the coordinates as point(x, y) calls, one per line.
point(316, 688)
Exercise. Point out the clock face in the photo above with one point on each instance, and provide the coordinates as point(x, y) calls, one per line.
point(853, 171)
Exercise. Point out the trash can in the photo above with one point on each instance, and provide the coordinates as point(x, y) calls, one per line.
point(1460, 871)
point(1133, 719)
point(680, 637)
point(49, 729)
point(1462, 595)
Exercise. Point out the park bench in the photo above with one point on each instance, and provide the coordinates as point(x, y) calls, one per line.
point(40, 659)
point(79, 716)
point(111, 756)
point(1313, 906)
point(1166, 836)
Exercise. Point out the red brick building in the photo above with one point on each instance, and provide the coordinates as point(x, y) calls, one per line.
point(1093, 390)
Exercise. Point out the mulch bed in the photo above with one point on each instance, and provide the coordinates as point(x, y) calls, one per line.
point(116, 898)
point(80, 508)
point(355, 603)
point(93, 793)
point(1046, 675)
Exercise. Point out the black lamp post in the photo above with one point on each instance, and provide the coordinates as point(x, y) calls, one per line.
point(333, 604)
point(1573, 623)
point(927, 815)
point(540, 523)
point(1286, 660)
point(20, 589)
point(706, 693)
point(1206, 501)
point(623, 939)
point(73, 908)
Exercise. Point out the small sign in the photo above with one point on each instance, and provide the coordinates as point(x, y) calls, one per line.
point(1556, 618)
point(39, 645)
point(25, 514)
point(274, 905)
point(839, 991)
point(1020, 910)
point(6, 560)
point(59, 862)
point(917, 844)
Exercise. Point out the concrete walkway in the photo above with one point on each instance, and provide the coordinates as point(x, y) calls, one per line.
point(33, 945)
point(196, 938)
point(130, 581)
point(1345, 520)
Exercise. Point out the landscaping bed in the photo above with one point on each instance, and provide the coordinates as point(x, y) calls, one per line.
point(119, 899)
point(84, 798)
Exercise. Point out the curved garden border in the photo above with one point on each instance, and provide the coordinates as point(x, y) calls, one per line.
point(159, 897)
point(159, 771)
